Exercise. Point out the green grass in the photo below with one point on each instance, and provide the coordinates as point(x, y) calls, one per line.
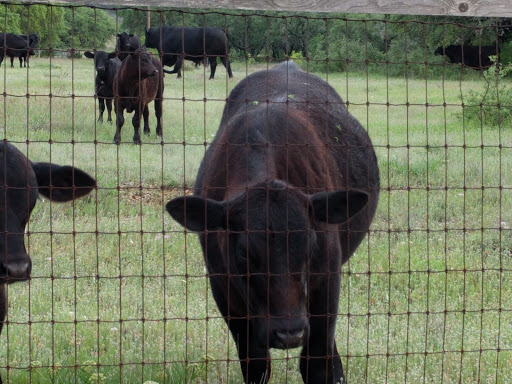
point(416, 298)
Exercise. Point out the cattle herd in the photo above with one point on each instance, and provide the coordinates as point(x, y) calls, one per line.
point(285, 193)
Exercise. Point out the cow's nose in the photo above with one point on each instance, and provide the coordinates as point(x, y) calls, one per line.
point(155, 72)
point(17, 269)
point(291, 338)
point(100, 69)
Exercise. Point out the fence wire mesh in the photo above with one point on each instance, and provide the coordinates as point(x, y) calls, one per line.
point(120, 292)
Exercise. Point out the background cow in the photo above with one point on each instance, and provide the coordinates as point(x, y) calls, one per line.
point(476, 57)
point(189, 43)
point(106, 65)
point(22, 182)
point(138, 82)
point(286, 192)
point(19, 46)
point(126, 43)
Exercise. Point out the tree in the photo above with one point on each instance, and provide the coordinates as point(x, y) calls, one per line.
point(87, 28)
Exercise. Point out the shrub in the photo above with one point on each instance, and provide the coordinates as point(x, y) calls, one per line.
point(492, 107)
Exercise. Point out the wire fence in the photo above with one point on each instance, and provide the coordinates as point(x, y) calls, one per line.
point(118, 291)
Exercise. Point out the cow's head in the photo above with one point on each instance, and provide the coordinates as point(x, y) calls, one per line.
point(126, 44)
point(21, 183)
point(269, 237)
point(101, 59)
point(439, 51)
point(33, 39)
point(144, 62)
point(152, 38)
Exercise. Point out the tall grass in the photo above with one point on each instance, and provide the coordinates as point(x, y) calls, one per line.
point(119, 293)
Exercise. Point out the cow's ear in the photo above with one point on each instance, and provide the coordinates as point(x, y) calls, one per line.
point(131, 35)
point(89, 55)
point(112, 55)
point(339, 206)
point(62, 183)
point(197, 214)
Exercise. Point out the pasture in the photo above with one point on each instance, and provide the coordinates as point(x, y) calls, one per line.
point(119, 292)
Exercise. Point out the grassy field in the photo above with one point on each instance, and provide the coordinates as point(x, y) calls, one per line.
point(427, 298)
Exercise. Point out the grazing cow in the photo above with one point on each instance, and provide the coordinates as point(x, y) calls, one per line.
point(17, 46)
point(189, 43)
point(106, 65)
point(284, 195)
point(476, 57)
point(126, 43)
point(22, 181)
point(138, 82)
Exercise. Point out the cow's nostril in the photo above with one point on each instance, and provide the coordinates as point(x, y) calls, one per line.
point(290, 338)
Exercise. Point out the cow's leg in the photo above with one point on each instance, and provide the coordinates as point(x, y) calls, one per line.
point(158, 107)
point(227, 64)
point(254, 360)
point(12, 61)
point(3, 306)
point(213, 65)
point(178, 65)
point(3, 309)
point(320, 361)
point(109, 109)
point(136, 126)
point(145, 115)
point(119, 123)
point(21, 61)
point(101, 107)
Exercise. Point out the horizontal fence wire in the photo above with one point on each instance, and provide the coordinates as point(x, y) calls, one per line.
point(119, 291)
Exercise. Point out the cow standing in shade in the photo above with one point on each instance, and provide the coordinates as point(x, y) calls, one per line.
point(190, 43)
point(138, 82)
point(22, 182)
point(106, 65)
point(476, 57)
point(284, 195)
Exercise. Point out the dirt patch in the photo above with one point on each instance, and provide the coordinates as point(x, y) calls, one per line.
point(132, 193)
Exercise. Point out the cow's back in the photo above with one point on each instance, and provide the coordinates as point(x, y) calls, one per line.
point(12, 41)
point(327, 147)
point(194, 41)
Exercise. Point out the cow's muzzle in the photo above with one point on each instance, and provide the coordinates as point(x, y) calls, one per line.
point(16, 268)
point(291, 333)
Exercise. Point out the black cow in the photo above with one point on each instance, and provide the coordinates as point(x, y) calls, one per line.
point(106, 65)
point(32, 40)
point(476, 57)
point(284, 195)
point(138, 82)
point(189, 43)
point(22, 181)
point(126, 43)
point(17, 46)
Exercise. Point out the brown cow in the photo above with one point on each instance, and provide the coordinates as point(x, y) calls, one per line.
point(138, 82)
point(284, 195)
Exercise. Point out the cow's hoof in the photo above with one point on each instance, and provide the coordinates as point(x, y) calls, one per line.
point(147, 132)
point(136, 140)
point(100, 120)
point(117, 140)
